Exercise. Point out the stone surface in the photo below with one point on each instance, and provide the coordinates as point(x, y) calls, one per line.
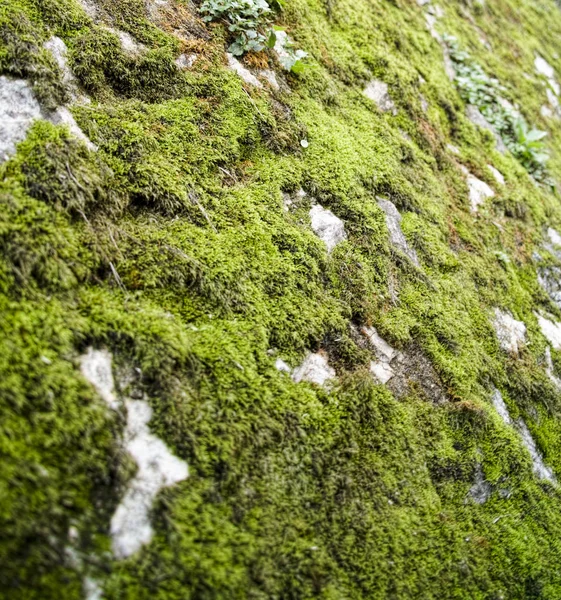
point(18, 110)
point(382, 371)
point(63, 116)
point(475, 116)
point(393, 223)
point(329, 228)
point(60, 53)
point(270, 77)
point(510, 332)
point(550, 369)
point(501, 407)
point(280, 365)
point(554, 236)
point(235, 65)
point(540, 468)
point(377, 91)
point(314, 369)
point(543, 67)
point(496, 174)
point(551, 331)
point(550, 280)
point(157, 467)
point(481, 490)
point(479, 191)
point(185, 61)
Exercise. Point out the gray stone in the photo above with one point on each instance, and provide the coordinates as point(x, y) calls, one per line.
point(329, 228)
point(18, 110)
point(550, 280)
point(551, 331)
point(235, 65)
point(63, 116)
point(393, 222)
point(481, 490)
point(510, 332)
point(185, 61)
point(377, 91)
point(314, 369)
point(501, 407)
point(540, 468)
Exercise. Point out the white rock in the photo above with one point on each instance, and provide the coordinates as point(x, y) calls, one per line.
point(552, 99)
point(329, 228)
point(546, 112)
point(89, 8)
point(314, 369)
point(96, 368)
point(510, 332)
point(235, 65)
point(157, 468)
point(551, 331)
point(270, 77)
point(18, 110)
point(185, 61)
point(128, 43)
point(382, 371)
point(454, 149)
point(550, 370)
point(540, 468)
point(554, 86)
point(377, 91)
point(60, 53)
point(554, 236)
point(476, 117)
point(393, 223)
point(431, 26)
point(63, 116)
point(481, 490)
point(500, 407)
point(479, 191)
point(383, 350)
point(543, 67)
point(280, 365)
point(496, 174)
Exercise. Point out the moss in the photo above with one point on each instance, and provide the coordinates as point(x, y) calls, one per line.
point(170, 245)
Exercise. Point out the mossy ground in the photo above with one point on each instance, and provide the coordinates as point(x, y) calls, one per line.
point(170, 246)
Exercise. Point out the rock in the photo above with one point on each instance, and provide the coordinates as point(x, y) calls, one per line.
point(543, 67)
point(314, 369)
point(96, 368)
point(235, 65)
point(63, 116)
point(377, 91)
point(497, 175)
point(551, 331)
point(550, 370)
point(479, 191)
point(393, 223)
point(554, 236)
point(454, 149)
point(382, 371)
point(540, 468)
point(550, 280)
point(448, 63)
point(185, 61)
point(424, 103)
point(475, 116)
point(280, 365)
point(157, 468)
point(481, 490)
point(270, 77)
point(18, 110)
point(510, 332)
point(60, 53)
point(500, 407)
point(329, 228)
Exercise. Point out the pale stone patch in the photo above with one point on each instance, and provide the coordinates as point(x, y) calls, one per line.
point(96, 368)
point(500, 407)
point(479, 191)
point(543, 67)
point(157, 466)
point(481, 490)
point(540, 468)
point(329, 228)
point(382, 371)
point(59, 52)
point(499, 177)
point(18, 110)
point(510, 332)
point(550, 370)
point(235, 65)
point(393, 223)
point(454, 149)
point(381, 368)
point(63, 116)
point(270, 77)
point(550, 280)
point(554, 236)
point(314, 369)
point(280, 365)
point(551, 331)
point(377, 91)
point(185, 61)
point(286, 54)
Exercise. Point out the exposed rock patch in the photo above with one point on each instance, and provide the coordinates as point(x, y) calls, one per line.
point(377, 91)
point(393, 223)
point(315, 369)
point(550, 370)
point(510, 332)
point(329, 228)
point(235, 65)
point(551, 331)
point(474, 115)
point(481, 490)
point(497, 175)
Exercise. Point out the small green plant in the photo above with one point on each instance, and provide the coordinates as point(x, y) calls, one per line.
point(477, 88)
point(249, 20)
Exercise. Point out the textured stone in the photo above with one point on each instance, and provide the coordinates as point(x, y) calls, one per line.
point(235, 65)
point(551, 331)
point(18, 110)
point(393, 223)
point(475, 116)
point(481, 490)
point(499, 177)
point(510, 332)
point(314, 369)
point(329, 228)
point(377, 91)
